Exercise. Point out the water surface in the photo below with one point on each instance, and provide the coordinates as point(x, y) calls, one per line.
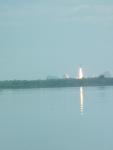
point(57, 119)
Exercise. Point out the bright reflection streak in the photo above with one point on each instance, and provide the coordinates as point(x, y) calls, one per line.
point(81, 100)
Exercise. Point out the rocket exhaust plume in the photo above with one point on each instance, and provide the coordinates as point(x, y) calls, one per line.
point(80, 75)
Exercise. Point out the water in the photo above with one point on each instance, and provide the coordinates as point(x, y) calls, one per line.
point(57, 119)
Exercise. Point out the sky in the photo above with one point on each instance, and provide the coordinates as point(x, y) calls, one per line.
point(39, 38)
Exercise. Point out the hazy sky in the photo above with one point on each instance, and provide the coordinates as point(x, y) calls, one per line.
point(53, 37)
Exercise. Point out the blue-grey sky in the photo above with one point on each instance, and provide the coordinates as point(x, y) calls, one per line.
point(53, 37)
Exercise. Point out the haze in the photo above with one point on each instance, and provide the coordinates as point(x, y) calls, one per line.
point(54, 37)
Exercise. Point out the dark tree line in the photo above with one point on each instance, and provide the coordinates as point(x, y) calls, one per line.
point(16, 84)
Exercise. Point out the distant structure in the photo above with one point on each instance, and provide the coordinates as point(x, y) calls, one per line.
point(66, 76)
point(108, 74)
point(80, 73)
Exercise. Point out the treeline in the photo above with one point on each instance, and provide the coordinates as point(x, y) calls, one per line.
point(50, 83)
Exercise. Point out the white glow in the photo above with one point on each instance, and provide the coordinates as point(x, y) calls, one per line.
point(81, 100)
point(80, 73)
point(66, 76)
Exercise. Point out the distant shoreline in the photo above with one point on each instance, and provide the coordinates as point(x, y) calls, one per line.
point(52, 83)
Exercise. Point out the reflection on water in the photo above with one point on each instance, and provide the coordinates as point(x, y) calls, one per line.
point(81, 100)
point(48, 119)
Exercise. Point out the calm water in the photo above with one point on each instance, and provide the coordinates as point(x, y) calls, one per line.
point(57, 119)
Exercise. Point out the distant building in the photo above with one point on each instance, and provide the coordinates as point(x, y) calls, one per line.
point(66, 76)
point(106, 74)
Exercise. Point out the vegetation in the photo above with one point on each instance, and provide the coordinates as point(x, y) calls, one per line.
point(50, 83)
